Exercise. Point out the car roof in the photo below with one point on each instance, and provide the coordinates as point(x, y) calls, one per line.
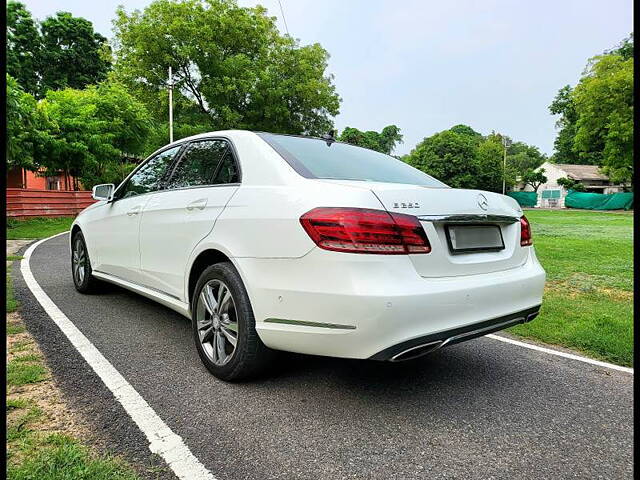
point(234, 132)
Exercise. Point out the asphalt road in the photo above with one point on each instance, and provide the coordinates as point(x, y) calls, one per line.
point(482, 409)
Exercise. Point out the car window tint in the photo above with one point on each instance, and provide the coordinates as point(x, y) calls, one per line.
point(315, 158)
point(228, 170)
point(204, 163)
point(149, 177)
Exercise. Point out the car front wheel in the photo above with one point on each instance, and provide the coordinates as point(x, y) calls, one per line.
point(224, 326)
point(81, 266)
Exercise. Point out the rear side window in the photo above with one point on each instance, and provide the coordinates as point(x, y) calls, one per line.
point(313, 158)
point(228, 170)
point(206, 162)
point(149, 177)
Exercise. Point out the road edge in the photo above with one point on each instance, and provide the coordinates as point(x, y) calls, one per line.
point(162, 440)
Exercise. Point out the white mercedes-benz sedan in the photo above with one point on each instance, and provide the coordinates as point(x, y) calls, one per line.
point(278, 242)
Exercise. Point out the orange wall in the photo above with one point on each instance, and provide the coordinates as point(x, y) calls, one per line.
point(16, 179)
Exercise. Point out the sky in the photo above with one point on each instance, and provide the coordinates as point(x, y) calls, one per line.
point(427, 65)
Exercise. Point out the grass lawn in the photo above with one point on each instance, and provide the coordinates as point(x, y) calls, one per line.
point(12, 304)
point(33, 451)
point(39, 227)
point(588, 300)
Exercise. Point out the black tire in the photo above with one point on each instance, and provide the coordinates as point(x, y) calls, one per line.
point(250, 356)
point(83, 280)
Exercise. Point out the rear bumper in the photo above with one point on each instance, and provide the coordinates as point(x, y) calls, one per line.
point(417, 347)
point(372, 306)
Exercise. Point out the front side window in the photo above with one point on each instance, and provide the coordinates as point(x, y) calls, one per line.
point(314, 158)
point(149, 177)
point(206, 162)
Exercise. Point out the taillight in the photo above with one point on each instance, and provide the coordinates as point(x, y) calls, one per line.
point(364, 230)
point(525, 232)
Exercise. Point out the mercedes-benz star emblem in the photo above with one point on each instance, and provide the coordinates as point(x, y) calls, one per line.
point(483, 203)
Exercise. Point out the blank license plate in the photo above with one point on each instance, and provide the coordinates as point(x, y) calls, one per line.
point(474, 238)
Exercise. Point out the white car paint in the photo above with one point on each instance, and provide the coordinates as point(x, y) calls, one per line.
point(374, 301)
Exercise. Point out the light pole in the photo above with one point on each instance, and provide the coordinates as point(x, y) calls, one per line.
point(505, 144)
point(170, 106)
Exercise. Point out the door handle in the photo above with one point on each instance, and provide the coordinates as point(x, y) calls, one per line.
point(199, 204)
point(134, 211)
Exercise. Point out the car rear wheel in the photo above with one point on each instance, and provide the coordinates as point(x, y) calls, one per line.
point(224, 326)
point(81, 266)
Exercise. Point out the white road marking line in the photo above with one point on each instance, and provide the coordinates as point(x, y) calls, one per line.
point(162, 440)
point(561, 354)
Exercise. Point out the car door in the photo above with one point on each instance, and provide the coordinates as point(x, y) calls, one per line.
point(174, 220)
point(115, 234)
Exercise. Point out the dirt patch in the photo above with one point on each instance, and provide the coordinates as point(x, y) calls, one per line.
point(580, 284)
point(13, 246)
point(56, 415)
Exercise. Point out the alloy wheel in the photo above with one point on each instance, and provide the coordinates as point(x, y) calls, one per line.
point(79, 261)
point(217, 322)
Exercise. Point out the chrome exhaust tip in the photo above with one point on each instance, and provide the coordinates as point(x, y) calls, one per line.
point(417, 351)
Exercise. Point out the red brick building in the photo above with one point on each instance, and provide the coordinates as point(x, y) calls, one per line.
point(32, 195)
point(25, 179)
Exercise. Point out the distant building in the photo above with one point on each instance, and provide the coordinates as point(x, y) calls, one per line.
point(551, 194)
point(28, 180)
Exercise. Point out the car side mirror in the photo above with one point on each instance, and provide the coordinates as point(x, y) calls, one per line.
point(103, 191)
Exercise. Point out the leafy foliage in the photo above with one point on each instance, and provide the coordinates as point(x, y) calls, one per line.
point(448, 156)
point(624, 49)
point(571, 184)
point(465, 130)
point(490, 165)
point(604, 102)
point(564, 105)
point(23, 46)
point(522, 157)
point(534, 178)
point(232, 69)
point(23, 122)
point(91, 130)
point(596, 117)
point(72, 54)
point(463, 158)
point(63, 51)
point(384, 141)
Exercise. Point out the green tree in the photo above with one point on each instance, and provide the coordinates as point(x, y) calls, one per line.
point(229, 62)
point(24, 124)
point(571, 184)
point(564, 105)
point(384, 141)
point(465, 130)
point(604, 103)
point(448, 156)
point(522, 157)
point(490, 165)
point(624, 49)
point(463, 158)
point(73, 54)
point(534, 178)
point(23, 46)
point(93, 131)
point(596, 117)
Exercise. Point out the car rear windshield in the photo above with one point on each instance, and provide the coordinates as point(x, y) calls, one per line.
point(315, 158)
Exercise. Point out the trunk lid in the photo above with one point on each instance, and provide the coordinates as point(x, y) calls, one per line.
point(441, 208)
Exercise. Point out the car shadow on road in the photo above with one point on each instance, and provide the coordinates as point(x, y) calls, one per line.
point(452, 370)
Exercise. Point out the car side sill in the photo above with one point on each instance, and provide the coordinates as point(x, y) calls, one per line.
point(149, 292)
